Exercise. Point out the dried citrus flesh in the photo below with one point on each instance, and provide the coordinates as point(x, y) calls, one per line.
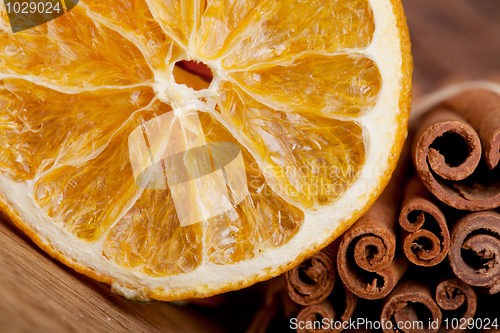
point(73, 52)
point(321, 155)
point(314, 94)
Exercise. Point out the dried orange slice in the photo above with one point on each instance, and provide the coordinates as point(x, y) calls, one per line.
point(121, 160)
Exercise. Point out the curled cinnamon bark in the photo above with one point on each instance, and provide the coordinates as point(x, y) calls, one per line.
point(475, 250)
point(365, 259)
point(427, 239)
point(453, 294)
point(344, 302)
point(347, 307)
point(411, 308)
point(366, 262)
point(312, 281)
point(326, 310)
point(446, 153)
point(312, 317)
point(481, 108)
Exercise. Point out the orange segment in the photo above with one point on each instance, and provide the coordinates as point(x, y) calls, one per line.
point(313, 159)
point(73, 52)
point(135, 21)
point(178, 18)
point(87, 198)
point(257, 224)
point(150, 239)
point(32, 118)
point(340, 84)
point(260, 222)
point(296, 26)
point(4, 21)
point(225, 22)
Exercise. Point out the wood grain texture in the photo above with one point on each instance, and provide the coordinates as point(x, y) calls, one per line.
point(38, 294)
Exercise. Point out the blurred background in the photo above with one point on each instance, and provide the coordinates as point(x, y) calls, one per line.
point(452, 40)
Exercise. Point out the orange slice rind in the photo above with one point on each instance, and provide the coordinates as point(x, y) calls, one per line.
point(117, 168)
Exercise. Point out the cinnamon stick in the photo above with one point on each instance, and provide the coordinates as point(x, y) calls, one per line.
point(403, 308)
point(475, 250)
point(327, 310)
point(366, 262)
point(345, 303)
point(426, 239)
point(365, 259)
point(313, 316)
point(446, 150)
point(453, 294)
point(447, 155)
point(312, 281)
point(481, 108)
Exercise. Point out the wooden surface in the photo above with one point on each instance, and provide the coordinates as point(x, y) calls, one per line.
point(452, 39)
point(38, 294)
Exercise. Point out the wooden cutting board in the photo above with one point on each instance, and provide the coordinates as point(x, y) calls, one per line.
point(452, 39)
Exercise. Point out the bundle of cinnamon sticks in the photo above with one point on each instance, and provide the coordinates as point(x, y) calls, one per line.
point(429, 248)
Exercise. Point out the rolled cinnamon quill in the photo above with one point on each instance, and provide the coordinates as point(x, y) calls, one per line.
point(365, 260)
point(446, 152)
point(345, 302)
point(481, 108)
point(312, 317)
point(312, 281)
point(366, 257)
point(426, 238)
point(475, 250)
point(454, 294)
point(407, 309)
